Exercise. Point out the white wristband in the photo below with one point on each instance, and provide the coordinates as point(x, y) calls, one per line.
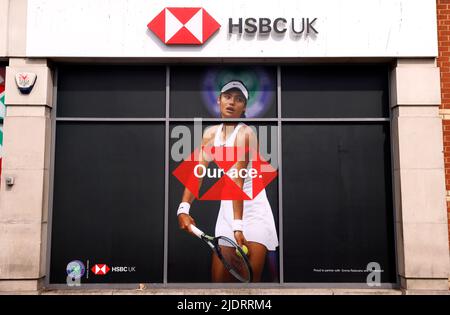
point(237, 225)
point(183, 208)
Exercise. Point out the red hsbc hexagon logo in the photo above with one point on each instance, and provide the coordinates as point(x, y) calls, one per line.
point(183, 26)
point(100, 269)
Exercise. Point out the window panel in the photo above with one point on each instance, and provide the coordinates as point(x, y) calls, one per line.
point(111, 91)
point(337, 205)
point(108, 204)
point(334, 92)
point(194, 90)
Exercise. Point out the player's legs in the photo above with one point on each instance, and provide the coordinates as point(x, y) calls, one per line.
point(218, 272)
point(257, 257)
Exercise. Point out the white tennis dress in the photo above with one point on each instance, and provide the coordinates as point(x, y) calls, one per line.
point(258, 221)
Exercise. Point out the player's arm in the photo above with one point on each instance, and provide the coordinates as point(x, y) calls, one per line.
point(184, 218)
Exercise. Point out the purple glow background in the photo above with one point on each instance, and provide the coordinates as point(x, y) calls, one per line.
point(257, 80)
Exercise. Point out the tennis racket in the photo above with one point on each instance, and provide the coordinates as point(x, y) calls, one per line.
point(232, 256)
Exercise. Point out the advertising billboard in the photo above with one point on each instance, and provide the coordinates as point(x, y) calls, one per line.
point(222, 173)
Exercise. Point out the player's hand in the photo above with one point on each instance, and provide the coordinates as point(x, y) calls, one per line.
point(240, 238)
point(185, 221)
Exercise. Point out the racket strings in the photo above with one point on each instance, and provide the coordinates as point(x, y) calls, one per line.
point(235, 263)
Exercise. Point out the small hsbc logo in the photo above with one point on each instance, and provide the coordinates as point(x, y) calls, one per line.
point(100, 269)
point(183, 26)
point(103, 269)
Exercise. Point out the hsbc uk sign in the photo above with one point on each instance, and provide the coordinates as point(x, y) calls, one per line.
point(278, 25)
point(194, 26)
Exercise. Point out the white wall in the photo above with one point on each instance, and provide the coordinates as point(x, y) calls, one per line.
point(347, 28)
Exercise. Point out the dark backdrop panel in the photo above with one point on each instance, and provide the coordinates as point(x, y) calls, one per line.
point(194, 90)
point(334, 91)
point(108, 204)
point(189, 258)
point(337, 205)
point(111, 91)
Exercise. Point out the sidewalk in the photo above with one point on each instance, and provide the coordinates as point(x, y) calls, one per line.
point(288, 291)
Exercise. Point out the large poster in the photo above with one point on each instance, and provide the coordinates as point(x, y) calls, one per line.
point(239, 210)
point(206, 174)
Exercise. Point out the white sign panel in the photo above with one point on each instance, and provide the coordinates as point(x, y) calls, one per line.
point(264, 28)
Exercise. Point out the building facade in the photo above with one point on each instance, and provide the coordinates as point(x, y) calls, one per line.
point(105, 100)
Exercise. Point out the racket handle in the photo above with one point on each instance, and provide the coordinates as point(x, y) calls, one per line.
point(196, 231)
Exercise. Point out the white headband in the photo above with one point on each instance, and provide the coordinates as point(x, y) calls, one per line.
point(235, 85)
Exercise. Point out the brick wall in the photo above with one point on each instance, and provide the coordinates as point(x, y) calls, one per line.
point(443, 16)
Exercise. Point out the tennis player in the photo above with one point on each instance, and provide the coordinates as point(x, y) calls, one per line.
point(249, 222)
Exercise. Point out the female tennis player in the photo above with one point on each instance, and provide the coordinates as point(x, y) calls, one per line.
point(249, 222)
